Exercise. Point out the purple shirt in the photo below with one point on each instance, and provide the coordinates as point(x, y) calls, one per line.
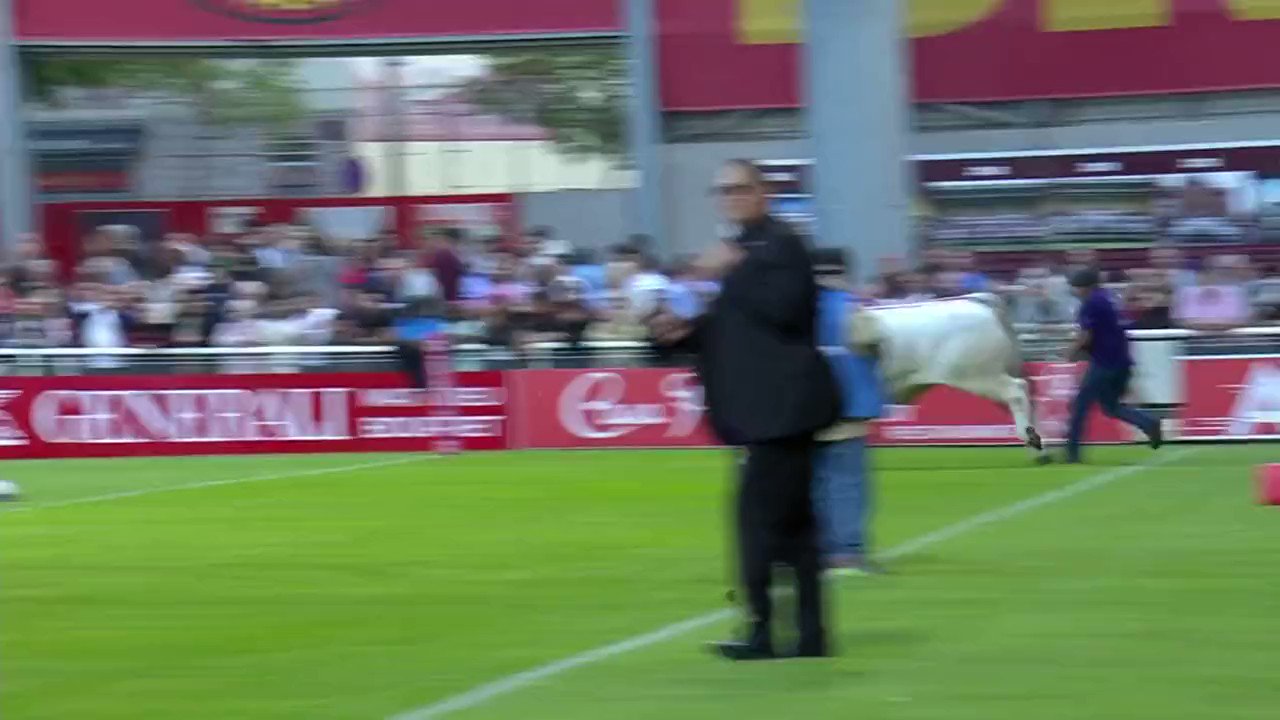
point(1110, 346)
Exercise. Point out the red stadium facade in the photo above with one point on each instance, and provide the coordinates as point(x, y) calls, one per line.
point(961, 49)
point(66, 223)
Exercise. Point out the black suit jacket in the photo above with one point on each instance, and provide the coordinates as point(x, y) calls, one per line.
point(757, 355)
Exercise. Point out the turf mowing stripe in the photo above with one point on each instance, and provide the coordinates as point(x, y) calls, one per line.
point(218, 483)
point(482, 694)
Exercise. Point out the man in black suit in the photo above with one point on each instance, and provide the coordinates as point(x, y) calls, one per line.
point(768, 389)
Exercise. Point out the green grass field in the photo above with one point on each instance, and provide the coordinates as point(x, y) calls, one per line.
point(369, 586)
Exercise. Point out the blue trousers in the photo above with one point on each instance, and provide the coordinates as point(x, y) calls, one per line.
point(1106, 387)
point(842, 496)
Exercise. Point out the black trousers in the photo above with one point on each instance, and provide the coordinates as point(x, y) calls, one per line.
point(776, 525)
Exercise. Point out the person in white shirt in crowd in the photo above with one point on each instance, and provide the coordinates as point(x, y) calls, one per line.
point(1220, 301)
point(103, 320)
point(239, 326)
point(1036, 300)
point(647, 286)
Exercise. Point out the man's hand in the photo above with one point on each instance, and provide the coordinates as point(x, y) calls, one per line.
point(1079, 348)
point(668, 329)
point(718, 260)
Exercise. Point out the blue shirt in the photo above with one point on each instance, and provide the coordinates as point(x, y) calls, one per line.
point(1109, 346)
point(593, 275)
point(856, 375)
point(975, 283)
point(682, 301)
point(418, 329)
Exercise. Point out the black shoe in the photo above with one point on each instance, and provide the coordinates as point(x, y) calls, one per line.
point(741, 651)
point(1156, 437)
point(813, 649)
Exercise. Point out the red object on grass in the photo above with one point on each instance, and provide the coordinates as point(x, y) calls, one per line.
point(1269, 484)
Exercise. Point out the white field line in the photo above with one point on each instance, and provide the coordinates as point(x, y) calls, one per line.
point(482, 694)
point(217, 483)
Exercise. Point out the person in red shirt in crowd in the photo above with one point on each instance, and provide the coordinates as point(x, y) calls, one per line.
point(443, 258)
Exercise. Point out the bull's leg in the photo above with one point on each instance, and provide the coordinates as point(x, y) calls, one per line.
point(1018, 398)
point(1014, 393)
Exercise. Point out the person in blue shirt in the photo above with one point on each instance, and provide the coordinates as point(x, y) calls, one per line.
point(842, 483)
point(1103, 340)
point(418, 321)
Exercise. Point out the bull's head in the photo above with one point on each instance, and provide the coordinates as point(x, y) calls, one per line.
point(864, 331)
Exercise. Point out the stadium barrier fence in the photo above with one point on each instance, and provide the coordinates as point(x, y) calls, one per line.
point(84, 402)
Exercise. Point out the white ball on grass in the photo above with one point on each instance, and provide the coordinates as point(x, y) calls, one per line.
point(8, 490)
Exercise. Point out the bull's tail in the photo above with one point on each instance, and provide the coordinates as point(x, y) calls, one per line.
point(1017, 363)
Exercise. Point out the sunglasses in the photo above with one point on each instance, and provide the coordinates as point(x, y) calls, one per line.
point(733, 189)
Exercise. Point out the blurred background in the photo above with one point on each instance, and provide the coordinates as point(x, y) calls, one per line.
point(226, 227)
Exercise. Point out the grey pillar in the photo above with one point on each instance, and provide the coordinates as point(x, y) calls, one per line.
point(644, 121)
point(396, 159)
point(15, 166)
point(857, 85)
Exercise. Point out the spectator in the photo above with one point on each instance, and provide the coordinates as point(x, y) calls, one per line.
point(1037, 301)
point(508, 301)
point(103, 319)
point(647, 287)
point(444, 260)
point(1169, 262)
point(1147, 300)
point(533, 241)
point(1218, 302)
point(1267, 299)
point(685, 295)
point(40, 321)
point(618, 322)
point(194, 322)
point(239, 327)
point(891, 285)
point(915, 287)
point(584, 266)
point(567, 313)
point(971, 279)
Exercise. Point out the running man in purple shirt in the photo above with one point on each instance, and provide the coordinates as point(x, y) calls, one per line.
point(1103, 340)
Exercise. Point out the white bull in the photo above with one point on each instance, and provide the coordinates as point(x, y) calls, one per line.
point(966, 343)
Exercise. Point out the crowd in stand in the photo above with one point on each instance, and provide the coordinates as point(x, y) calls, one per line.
point(286, 285)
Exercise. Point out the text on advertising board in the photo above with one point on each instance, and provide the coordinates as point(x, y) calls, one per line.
point(593, 406)
point(186, 414)
point(653, 407)
point(1231, 398)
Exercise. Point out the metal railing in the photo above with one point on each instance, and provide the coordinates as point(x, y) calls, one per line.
point(1044, 343)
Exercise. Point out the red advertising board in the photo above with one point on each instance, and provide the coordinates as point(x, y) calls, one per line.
point(227, 21)
point(59, 417)
point(962, 49)
point(945, 416)
point(1231, 398)
point(602, 408)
